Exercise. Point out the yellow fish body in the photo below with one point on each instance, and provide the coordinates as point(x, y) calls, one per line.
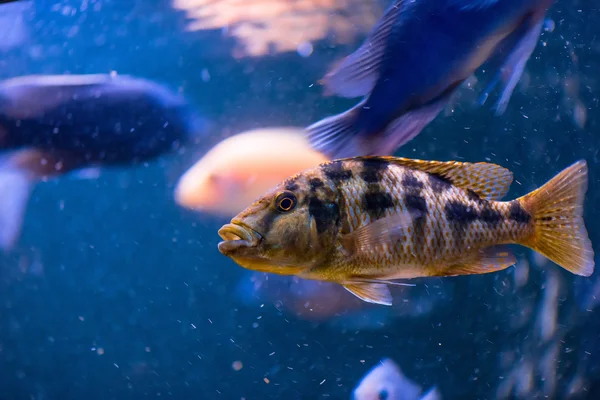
point(364, 221)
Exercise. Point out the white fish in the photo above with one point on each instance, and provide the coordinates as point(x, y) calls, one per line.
point(386, 381)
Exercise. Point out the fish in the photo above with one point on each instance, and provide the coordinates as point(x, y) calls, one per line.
point(412, 62)
point(242, 167)
point(386, 381)
point(52, 125)
point(366, 222)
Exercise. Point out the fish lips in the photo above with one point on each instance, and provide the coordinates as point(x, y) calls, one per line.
point(237, 237)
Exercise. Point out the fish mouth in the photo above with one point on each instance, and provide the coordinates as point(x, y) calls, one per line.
point(237, 236)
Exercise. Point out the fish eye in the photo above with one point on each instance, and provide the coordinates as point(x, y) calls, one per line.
point(286, 201)
point(383, 395)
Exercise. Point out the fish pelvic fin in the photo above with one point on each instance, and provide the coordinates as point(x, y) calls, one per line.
point(377, 293)
point(557, 210)
point(337, 136)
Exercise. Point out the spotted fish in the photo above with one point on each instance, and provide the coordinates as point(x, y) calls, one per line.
point(364, 222)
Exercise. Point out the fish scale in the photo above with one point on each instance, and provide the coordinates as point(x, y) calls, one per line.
point(420, 249)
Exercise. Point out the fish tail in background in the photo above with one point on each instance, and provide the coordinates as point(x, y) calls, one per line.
point(514, 64)
point(15, 188)
point(405, 128)
point(337, 136)
point(557, 211)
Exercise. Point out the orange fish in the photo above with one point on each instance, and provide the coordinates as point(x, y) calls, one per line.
point(239, 169)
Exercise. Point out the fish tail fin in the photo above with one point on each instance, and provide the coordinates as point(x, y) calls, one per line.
point(15, 188)
point(337, 136)
point(559, 231)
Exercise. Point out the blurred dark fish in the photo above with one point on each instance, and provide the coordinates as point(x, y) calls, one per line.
point(13, 29)
point(52, 125)
point(386, 381)
point(414, 59)
point(364, 222)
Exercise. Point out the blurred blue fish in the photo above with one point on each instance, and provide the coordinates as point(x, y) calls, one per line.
point(414, 59)
point(51, 125)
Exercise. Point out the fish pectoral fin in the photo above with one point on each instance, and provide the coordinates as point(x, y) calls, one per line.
point(491, 259)
point(514, 61)
point(338, 136)
point(376, 293)
point(488, 181)
point(384, 231)
point(356, 75)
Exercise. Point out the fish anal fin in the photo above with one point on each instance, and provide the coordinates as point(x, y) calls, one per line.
point(385, 231)
point(489, 181)
point(356, 75)
point(491, 259)
point(376, 293)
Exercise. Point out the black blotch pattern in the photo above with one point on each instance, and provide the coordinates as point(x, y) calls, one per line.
point(326, 214)
point(416, 202)
point(315, 183)
point(490, 216)
point(439, 183)
point(460, 213)
point(518, 214)
point(460, 216)
point(473, 196)
point(291, 186)
point(373, 170)
point(336, 172)
point(410, 181)
point(376, 202)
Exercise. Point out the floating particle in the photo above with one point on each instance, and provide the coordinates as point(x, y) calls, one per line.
point(237, 365)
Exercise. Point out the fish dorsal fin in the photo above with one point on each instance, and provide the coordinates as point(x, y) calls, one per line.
point(489, 181)
point(356, 75)
point(376, 293)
